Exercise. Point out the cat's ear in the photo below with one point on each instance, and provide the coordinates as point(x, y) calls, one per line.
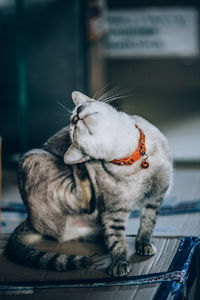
point(79, 98)
point(74, 156)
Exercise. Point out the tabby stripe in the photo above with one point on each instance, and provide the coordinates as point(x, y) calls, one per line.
point(110, 248)
point(154, 207)
point(64, 179)
point(64, 207)
point(117, 220)
point(39, 257)
point(75, 262)
point(122, 210)
point(92, 201)
point(70, 263)
point(51, 265)
point(59, 176)
point(72, 187)
point(113, 234)
point(157, 211)
point(44, 260)
point(117, 227)
point(108, 172)
point(152, 220)
point(151, 206)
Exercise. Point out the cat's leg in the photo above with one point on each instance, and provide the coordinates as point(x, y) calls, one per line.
point(114, 234)
point(83, 187)
point(147, 223)
point(155, 189)
point(52, 191)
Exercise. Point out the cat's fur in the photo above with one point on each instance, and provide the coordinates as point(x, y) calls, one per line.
point(72, 189)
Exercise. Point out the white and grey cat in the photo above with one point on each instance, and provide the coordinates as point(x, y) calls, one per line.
point(73, 189)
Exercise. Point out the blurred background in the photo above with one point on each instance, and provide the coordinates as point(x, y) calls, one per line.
point(148, 49)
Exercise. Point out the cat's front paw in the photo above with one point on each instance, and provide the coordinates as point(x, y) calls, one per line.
point(145, 249)
point(120, 268)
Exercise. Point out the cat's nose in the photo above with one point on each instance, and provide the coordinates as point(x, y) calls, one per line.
point(75, 119)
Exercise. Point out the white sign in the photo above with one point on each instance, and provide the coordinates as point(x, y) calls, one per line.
point(153, 32)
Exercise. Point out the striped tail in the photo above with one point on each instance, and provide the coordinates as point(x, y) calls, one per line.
point(19, 249)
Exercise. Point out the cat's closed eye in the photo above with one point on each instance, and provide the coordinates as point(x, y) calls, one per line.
point(79, 109)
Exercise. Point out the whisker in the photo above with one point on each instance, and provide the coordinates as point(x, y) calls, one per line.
point(64, 107)
point(111, 99)
point(114, 94)
point(100, 92)
point(106, 94)
point(111, 94)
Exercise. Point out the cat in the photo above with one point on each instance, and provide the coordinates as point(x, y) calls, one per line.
point(84, 182)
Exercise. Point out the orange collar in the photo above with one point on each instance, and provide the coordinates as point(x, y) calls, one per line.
point(136, 155)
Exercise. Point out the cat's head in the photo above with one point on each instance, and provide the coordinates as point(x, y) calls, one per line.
point(98, 131)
